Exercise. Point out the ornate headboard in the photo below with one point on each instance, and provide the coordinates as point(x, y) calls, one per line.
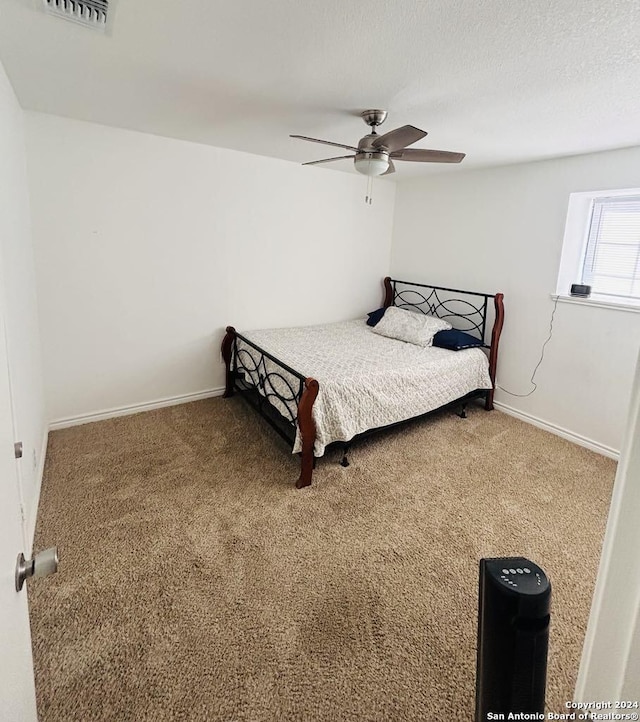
point(468, 311)
point(465, 310)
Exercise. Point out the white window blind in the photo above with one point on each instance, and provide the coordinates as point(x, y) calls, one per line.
point(612, 258)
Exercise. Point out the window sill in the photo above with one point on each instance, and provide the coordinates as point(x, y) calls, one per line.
point(599, 302)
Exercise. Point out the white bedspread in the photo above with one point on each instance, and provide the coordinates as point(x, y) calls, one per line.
point(366, 380)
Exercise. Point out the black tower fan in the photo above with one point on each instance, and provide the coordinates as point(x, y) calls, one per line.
point(513, 637)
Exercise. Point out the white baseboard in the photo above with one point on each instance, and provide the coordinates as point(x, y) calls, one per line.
point(559, 431)
point(33, 515)
point(133, 409)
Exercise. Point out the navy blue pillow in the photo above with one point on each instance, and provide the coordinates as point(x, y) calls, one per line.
point(375, 316)
point(455, 340)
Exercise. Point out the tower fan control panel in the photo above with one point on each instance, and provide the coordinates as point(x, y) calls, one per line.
point(519, 573)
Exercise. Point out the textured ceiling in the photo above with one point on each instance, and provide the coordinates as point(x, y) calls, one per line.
point(502, 80)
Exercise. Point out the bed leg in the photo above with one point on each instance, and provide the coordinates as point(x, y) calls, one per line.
point(345, 461)
point(306, 469)
point(227, 354)
point(463, 411)
point(488, 402)
point(307, 428)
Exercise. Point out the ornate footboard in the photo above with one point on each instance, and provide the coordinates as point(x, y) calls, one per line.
point(280, 394)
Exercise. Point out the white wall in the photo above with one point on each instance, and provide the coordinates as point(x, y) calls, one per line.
point(610, 667)
point(501, 229)
point(147, 247)
point(631, 678)
point(17, 284)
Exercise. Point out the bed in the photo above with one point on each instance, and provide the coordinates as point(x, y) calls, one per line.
point(332, 384)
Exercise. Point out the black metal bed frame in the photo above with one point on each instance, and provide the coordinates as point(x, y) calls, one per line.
point(259, 395)
point(473, 321)
point(247, 372)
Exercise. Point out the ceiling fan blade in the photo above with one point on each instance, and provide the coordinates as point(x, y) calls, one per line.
point(417, 155)
point(328, 160)
point(399, 138)
point(324, 142)
point(390, 169)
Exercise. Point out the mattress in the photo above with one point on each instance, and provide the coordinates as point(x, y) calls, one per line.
point(366, 380)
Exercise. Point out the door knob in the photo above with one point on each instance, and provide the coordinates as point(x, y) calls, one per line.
point(42, 564)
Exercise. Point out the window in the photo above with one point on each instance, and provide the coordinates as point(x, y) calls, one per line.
point(602, 246)
point(612, 257)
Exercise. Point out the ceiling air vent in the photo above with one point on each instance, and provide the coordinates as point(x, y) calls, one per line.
point(92, 13)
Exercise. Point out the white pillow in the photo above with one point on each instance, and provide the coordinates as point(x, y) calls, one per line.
point(410, 326)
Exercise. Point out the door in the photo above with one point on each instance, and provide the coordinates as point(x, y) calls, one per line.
point(17, 690)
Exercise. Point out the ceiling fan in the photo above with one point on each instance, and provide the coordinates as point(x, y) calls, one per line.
point(375, 153)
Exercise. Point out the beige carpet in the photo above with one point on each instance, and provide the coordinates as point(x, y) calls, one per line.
point(196, 583)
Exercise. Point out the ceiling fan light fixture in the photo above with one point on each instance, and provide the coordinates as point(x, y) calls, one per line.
point(374, 152)
point(371, 164)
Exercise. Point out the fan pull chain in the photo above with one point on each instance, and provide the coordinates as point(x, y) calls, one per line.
point(369, 197)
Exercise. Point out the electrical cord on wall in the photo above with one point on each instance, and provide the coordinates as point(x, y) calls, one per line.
point(535, 370)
